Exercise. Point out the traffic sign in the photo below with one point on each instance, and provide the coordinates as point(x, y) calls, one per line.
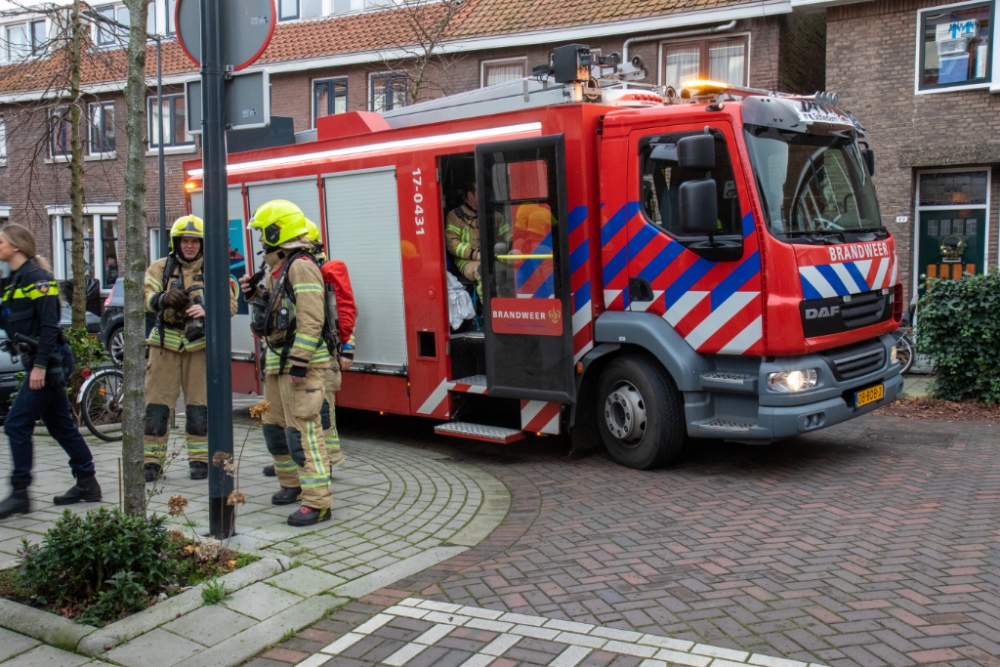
point(248, 102)
point(247, 28)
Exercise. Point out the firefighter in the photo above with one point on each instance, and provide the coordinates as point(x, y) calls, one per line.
point(289, 312)
point(461, 233)
point(31, 309)
point(174, 289)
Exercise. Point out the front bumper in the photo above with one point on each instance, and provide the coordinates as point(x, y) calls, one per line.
point(749, 411)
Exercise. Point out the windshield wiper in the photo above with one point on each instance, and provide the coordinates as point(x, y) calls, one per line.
point(821, 235)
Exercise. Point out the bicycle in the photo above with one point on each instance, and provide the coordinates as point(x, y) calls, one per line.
point(100, 403)
point(905, 353)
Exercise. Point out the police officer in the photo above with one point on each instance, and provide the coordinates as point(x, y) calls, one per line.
point(31, 312)
point(174, 287)
point(289, 313)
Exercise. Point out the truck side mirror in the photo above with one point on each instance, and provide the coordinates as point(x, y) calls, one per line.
point(698, 205)
point(696, 152)
point(868, 155)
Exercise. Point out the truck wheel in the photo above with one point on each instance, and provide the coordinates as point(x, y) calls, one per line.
point(640, 413)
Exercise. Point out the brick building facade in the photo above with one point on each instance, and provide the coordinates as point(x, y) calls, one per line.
point(926, 93)
point(309, 62)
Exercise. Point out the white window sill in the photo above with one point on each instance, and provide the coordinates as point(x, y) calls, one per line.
point(3, 162)
point(58, 159)
point(173, 150)
point(953, 89)
point(96, 157)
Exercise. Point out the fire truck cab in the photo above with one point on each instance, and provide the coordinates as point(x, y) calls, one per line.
point(653, 271)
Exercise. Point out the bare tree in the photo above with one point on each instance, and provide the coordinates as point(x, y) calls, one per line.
point(47, 72)
point(422, 28)
point(135, 264)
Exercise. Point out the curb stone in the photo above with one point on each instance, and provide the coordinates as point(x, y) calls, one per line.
point(47, 628)
point(104, 639)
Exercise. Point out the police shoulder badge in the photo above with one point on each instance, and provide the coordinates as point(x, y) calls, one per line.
point(43, 288)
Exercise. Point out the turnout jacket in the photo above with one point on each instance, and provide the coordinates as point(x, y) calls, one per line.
point(461, 234)
point(305, 348)
point(190, 274)
point(31, 306)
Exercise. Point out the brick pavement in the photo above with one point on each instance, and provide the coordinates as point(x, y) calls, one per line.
point(872, 543)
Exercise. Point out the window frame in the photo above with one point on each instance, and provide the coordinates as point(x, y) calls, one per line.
point(991, 52)
point(58, 115)
point(703, 54)
point(3, 141)
point(60, 222)
point(389, 78)
point(483, 64)
point(93, 110)
point(332, 98)
point(298, 11)
point(171, 100)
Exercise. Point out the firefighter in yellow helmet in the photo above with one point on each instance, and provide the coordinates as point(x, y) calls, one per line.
point(289, 313)
point(174, 289)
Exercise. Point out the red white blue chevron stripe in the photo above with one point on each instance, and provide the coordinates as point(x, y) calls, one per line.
point(579, 280)
point(715, 306)
point(842, 278)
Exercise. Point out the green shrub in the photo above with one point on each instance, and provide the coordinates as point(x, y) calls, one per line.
point(107, 556)
point(958, 325)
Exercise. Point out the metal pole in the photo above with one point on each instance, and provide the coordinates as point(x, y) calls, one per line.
point(217, 325)
point(164, 241)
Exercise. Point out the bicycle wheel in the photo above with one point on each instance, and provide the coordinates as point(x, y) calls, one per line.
point(904, 353)
point(101, 404)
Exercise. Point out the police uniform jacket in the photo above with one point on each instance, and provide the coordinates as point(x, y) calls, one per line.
point(31, 307)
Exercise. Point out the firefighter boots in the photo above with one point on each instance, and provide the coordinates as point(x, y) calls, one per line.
point(17, 503)
point(269, 471)
point(286, 496)
point(86, 490)
point(152, 472)
point(307, 516)
point(198, 469)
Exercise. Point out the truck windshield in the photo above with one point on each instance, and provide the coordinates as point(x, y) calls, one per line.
point(812, 184)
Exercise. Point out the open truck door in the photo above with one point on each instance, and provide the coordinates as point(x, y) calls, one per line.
point(527, 306)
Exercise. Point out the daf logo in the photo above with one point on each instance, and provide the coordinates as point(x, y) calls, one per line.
point(818, 313)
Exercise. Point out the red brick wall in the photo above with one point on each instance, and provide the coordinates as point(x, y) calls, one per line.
point(871, 50)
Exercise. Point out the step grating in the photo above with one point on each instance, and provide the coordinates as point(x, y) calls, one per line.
point(479, 432)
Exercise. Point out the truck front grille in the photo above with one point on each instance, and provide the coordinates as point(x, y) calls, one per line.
point(863, 309)
point(855, 361)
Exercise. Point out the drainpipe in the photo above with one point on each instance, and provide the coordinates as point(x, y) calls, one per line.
point(688, 33)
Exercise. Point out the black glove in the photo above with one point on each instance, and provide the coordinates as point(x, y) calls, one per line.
point(176, 299)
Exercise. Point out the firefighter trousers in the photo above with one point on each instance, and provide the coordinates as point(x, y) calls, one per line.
point(166, 373)
point(294, 435)
point(328, 417)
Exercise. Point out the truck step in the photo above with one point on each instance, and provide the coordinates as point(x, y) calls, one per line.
point(727, 426)
point(729, 382)
point(475, 384)
point(482, 432)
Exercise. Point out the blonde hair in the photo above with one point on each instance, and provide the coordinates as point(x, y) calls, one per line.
point(21, 238)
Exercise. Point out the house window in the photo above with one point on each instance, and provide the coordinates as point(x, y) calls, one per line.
point(109, 250)
point(3, 142)
point(23, 40)
point(100, 247)
point(288, 10)
point(109, 34)
point(88, 246)
point(174, 132)
point(311, 8)
point(102, 128)
point(60, 133)
point(329, 97)
point(955, 46)
point(502, 71)
point(341, 6)
point(171, 8)
point(388, 91)
point(715, 59)
point(952, 223)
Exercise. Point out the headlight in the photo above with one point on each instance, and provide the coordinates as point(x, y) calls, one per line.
point(792, 382)
point(894, 355)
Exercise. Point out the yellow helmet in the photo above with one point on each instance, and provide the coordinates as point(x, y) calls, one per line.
point(188, 225)
point(279, 222)
point(312, 231)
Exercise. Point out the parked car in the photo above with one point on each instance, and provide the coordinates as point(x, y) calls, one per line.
point(112, 334)
point(10, 368)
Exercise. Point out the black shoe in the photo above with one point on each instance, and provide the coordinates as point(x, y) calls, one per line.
point(198, 470)
point(286, 496)
point(86, 490)
point(307, 516)
point(17, 503)
point(269, 471)
point(152, 472)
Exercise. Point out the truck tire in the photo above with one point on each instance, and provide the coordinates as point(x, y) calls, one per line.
point(640, 414)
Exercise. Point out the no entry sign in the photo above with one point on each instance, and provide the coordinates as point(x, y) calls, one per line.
point(247, 27)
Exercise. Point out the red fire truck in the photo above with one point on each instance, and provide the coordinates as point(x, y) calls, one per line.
point(655, 269)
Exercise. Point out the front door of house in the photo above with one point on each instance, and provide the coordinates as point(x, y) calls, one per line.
point(951, 223)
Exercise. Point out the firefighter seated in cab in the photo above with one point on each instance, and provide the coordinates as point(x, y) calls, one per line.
point(461, 234)
point(342, 307)
point(289, 313)
point(175, 289)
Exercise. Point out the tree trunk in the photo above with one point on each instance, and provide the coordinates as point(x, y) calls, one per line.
point(134, 408)
point(78, 264)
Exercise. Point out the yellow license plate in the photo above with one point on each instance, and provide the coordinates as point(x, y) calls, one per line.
point(870, 395)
